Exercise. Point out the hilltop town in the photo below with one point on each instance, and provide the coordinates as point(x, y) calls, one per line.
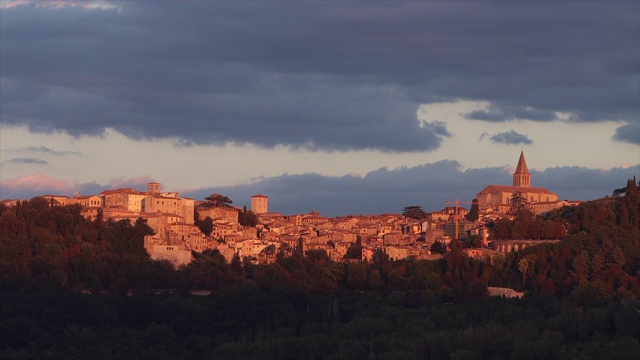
point(183, 225)
point(111, 274)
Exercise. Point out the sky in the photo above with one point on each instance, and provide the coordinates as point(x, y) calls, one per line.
point(340, 107)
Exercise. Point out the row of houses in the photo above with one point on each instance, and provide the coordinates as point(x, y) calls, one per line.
point(392, 234)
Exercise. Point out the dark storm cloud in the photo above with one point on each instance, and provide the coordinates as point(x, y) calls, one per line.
point(628, 133)
point(320, 75)
point(429, 186)
point(510, 137)
point(32, 161)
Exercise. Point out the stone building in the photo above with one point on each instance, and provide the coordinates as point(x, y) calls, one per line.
point(230, 214)
point(169, 204)
point(161, 249)
point(55, 200)
point(86, 201)
point(129, 198)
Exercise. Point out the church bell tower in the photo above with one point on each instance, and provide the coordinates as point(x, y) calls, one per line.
point(521, 176)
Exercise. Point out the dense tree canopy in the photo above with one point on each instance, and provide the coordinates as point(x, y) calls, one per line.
point(517, 201)
point(414, 212)
point(217, 200)
point(247, 218)
point(205, 225)
point(474, 212)
point(248, 322)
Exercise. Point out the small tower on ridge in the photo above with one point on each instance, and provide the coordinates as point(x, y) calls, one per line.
point(153, 188)
point(259, 204)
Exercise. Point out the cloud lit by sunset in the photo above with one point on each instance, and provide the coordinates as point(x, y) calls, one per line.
point(35, 182)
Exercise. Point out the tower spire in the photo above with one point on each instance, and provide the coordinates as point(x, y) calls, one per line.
point(521, 176)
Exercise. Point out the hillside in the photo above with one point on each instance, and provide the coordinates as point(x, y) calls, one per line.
point(581, 295)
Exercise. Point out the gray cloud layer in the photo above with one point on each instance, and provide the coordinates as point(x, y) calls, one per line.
point(380, 191)
point(33, 161)
point(45, 150)
point(321, 75)
point(429, 186)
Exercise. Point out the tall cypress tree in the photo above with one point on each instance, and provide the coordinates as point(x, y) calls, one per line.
point(474, 212)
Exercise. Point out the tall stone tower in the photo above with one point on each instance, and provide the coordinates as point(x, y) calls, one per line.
point(153, 188)
point(521, 176)
point(259, 204)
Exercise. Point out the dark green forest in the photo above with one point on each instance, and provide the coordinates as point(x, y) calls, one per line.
point(78, 289)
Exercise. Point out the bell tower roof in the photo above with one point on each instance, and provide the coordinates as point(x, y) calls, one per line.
point(522, 165)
